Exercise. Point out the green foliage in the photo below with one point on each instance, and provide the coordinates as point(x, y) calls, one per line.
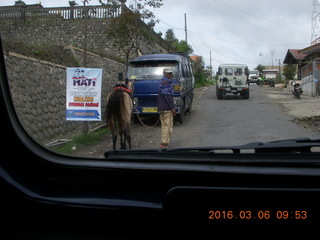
point(144, 8)
point(170, 37)
point(200, 74)
point(82, 140)
point(128, 27)
point(181, 46)
point(289, 71)
point(44, 52)
point(260, 68)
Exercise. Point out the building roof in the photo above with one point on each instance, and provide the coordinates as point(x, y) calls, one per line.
point(293, 56)
point(311, 49)
point(195, 58)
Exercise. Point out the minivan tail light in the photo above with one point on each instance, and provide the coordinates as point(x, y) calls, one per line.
point(177, 87)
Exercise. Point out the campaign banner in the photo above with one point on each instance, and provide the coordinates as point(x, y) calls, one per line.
point(83, 94)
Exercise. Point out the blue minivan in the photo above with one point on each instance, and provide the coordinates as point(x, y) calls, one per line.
point(145, 73)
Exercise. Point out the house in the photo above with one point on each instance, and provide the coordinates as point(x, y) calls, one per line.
point(310, 72)
point(308, 61)
point(270, 74)
point(294, 57)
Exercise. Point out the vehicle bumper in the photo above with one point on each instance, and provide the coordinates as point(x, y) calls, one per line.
point(150, 110)
point(234, 89)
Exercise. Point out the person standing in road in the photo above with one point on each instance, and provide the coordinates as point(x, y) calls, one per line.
point(166, 106)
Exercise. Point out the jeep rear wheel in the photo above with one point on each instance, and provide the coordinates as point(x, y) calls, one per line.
point(246, 94)
point(219, 93)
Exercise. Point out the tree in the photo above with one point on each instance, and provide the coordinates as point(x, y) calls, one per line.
point(199, 71)
point(128, 28)
point(260, 68)
point(289, 71)
point(125, 31)
point(170, 37)
point(181, 46)
point(141, 7)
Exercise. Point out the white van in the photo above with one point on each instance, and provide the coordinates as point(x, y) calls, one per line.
point(233, 78)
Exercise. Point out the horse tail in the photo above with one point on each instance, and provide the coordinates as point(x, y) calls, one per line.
point(126, 109)
point(113, 108)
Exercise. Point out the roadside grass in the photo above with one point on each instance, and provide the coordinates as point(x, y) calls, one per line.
point(82, 140)
point(203, 84)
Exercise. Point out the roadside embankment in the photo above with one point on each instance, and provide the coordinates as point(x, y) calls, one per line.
point(305, 111)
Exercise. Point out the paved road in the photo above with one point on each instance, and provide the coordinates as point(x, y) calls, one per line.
point(266, 116)
point(235, 121)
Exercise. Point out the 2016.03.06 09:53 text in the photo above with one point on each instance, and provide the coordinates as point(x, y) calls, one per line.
point(263, 214)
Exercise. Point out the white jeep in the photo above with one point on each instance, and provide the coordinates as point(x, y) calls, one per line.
point(233, 78)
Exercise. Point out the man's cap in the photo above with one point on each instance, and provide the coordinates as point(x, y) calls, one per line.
point(167, 70)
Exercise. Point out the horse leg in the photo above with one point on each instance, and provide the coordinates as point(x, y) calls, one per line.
point(122, 137)
point(114, 138)
point(122, 145)
point(123, 142)
point(128, 135)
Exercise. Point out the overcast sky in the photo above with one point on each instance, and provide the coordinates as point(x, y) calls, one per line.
point(235, 31)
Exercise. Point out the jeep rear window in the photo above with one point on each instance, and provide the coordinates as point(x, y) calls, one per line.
point(228, 71)
point(238, 71)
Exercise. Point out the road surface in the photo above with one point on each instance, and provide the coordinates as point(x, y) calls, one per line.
point(235, 121)
point(228, 122)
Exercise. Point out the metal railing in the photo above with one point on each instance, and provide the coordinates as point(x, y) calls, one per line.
point(60, 13)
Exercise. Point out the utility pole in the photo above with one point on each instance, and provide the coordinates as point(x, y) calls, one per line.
point(280, 75)
point(185, 27)
point(85, 15)
point(85, 12)
point(210, 67)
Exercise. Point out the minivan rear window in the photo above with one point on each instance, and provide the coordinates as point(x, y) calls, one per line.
point(151, 70)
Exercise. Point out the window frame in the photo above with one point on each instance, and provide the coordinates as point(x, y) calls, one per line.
point(138, 184)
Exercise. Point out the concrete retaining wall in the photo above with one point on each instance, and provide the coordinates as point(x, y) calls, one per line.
point(39, 93)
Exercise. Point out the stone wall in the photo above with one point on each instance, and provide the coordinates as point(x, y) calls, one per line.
point(39, 94)
point(39, 88)
point(71, 32)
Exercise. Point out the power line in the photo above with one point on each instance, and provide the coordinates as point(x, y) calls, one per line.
point(203, 43)
point(194, 36)
point(232, 41)
point(259, 17)
point(195, 46)
point(170, 25)
point(224, 55)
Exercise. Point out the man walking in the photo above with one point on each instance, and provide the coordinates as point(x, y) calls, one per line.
point(166, 107)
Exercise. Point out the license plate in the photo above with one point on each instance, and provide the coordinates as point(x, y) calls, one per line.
point(149, 109)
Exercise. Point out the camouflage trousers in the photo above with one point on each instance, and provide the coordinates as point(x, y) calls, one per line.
point(166, 118)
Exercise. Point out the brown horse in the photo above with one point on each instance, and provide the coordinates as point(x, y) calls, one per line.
point(119, 110)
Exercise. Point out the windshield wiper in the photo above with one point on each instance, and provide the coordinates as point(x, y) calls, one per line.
point(297, 145)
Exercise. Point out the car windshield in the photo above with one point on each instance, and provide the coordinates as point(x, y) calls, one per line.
point(227, 82)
